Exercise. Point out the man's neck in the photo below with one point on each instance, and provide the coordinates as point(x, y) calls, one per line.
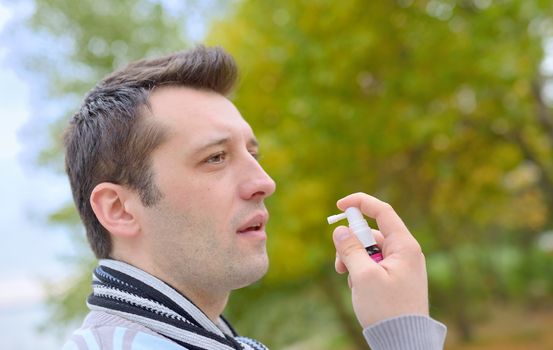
point(210, 300)
point(212, 305)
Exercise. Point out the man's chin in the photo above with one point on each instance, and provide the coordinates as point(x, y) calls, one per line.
point(255, 273)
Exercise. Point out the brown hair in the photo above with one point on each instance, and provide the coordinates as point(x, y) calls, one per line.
point(111, 137)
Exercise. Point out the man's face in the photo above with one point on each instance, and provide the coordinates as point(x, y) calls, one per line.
point(208, 230)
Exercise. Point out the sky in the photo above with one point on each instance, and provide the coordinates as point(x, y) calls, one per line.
point(30, 251)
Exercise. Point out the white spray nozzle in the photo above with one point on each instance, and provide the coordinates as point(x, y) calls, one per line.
point(335, 218)
point(357, 224)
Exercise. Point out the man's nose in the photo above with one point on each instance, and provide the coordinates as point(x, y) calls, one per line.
point(256, 184)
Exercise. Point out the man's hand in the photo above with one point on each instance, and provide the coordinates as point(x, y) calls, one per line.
point(398, 284)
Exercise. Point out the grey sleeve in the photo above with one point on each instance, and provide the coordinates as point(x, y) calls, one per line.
point(410, 332)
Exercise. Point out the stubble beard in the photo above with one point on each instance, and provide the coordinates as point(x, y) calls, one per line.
point(208, 262)
point(252, 271)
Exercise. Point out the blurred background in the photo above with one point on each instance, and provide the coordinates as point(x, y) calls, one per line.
point(443, 108)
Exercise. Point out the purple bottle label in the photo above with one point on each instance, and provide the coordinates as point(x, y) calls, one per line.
point(375, 253)
point(377, 257)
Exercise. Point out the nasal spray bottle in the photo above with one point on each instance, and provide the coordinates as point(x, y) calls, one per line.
point(361, 229)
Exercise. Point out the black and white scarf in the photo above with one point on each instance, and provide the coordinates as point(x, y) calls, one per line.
point(126, 291)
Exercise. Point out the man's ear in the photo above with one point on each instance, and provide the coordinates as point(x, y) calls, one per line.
point(114, 207)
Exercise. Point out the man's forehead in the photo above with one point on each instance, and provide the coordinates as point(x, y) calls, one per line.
point(202, 117)
point(179, 101)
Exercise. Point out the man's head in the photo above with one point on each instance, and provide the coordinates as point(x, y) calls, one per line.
point(163, 169)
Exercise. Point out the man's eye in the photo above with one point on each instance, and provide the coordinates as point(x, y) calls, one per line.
point(255, 155)
point(216, 158)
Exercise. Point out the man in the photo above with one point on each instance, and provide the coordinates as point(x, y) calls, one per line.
point(164, 173)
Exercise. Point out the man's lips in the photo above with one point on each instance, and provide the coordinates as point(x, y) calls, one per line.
point(256, 223)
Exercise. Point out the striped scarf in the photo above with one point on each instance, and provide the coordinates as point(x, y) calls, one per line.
point(126, 291)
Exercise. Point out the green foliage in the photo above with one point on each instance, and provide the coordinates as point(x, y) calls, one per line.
point(295, 311)
point(430, 105)
point(434, 106)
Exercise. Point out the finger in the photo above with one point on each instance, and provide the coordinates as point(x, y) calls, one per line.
point(379, 238)
point(339, 265)
point(389, 223)
point(351, 251)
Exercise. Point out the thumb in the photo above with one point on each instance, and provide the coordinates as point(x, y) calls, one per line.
point(350, 250)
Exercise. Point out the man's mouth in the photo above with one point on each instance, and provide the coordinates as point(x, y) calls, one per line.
point(255, 224)
point(256, 227)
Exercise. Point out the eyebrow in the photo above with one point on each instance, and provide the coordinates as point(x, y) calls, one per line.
point(221, 141)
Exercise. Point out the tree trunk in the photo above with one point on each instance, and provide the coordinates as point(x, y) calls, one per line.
point(461, 302)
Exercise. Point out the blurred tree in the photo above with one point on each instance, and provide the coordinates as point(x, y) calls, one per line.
point(435, 106)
